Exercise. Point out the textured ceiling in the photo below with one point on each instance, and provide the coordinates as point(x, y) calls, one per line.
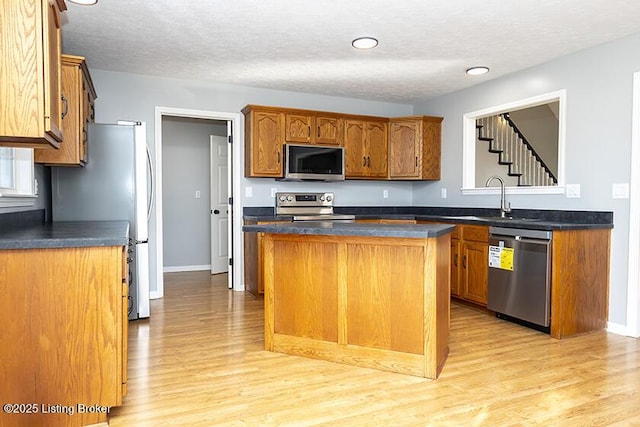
point(305, 46)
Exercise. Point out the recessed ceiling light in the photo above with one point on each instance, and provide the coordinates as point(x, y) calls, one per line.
point(364, 43)
point(84, 2)
point(476, 71)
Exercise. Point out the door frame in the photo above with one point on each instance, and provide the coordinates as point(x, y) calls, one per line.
point(236, 270)
point(633, 271)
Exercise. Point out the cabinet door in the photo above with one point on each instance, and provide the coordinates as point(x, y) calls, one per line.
point(376, 145)
point(30, 70)
point(125, 322)
point(405, 153)
point(328, 130)
point(456, 266)
point(79, 93)
point(475, 271)
point(266, 134)
point(356, 161)
point(431, 147)
point(297, 128)
point(52, 81)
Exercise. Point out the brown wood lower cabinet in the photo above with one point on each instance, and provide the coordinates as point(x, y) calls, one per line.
point(469, 262)
point(473, 277)
point(253, 277)
point(64, 334)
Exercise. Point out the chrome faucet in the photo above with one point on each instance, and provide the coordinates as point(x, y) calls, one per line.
point(505, 208)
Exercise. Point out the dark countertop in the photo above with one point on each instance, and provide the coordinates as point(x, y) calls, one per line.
point(337, 228)
point(547, 220)
point(66, 235)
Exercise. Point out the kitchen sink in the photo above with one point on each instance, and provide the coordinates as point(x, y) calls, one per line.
point(488, 218)
point(506, 218)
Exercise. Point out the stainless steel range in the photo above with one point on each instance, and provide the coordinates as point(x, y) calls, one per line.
point(309, 207)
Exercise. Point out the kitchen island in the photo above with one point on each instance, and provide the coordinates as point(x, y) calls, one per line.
point(370, 295)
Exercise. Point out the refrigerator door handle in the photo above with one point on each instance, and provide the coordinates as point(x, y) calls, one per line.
point(151, 175)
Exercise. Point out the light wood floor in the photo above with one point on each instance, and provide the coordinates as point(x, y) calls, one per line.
point(199, 361)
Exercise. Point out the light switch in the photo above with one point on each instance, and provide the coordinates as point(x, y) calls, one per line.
point(197, 194)
point(573, 191)
point(443, 193)
point(273, 191)
point(248, 191)
point(385, 194)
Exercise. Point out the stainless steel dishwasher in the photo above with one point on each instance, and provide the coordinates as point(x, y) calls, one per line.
point(520, 275)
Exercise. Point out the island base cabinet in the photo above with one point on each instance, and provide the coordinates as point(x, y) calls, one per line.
point(374, 302)
point(63, 334)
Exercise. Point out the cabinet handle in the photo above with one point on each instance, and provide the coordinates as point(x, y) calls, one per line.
point(416, 161)
point(309, 131)
point(318, 132)
point(464, 261)
point(364, 160)
point(66, 106)
point(455, 260)
point(278, 154)
point(368, 161)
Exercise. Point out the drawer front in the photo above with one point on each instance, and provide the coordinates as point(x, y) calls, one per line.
point(476, 233)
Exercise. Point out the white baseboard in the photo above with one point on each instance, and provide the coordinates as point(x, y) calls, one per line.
point(186, 268)
point(616, 328)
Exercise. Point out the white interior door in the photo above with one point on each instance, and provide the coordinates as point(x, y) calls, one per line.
point(219, 204)
point(230, 213)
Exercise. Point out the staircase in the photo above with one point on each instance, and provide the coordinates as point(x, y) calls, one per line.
point(514, 151)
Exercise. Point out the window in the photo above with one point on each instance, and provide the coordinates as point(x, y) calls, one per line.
point(16, 177)
point(474, 169)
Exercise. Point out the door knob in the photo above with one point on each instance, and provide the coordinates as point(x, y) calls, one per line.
point(216, 211)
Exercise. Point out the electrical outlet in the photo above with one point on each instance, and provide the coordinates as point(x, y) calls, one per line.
point(248, 191)
point(385, 194)
point(197, 194)
point(35, 187)
point(273, 192)
point(620, 191)
point(573, 191)
point(443, 193)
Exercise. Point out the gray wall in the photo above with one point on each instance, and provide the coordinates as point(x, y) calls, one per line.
point(134, 97)
point(598, 82)
point(185, 169)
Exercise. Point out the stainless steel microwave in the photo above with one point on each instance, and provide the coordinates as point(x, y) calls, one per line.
point(313, 163)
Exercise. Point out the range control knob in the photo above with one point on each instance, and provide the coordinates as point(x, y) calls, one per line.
point(282, 198)
point(328, 198)
point(289, 198)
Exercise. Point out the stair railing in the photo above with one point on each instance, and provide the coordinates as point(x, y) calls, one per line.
point(514, 151)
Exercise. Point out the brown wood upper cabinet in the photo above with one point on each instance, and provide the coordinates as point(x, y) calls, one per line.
point(414, 148)
point(313, 129)
point(365, 149)
point(30, 84)
point(379, 148)
point(80, 94)
point(264, 137)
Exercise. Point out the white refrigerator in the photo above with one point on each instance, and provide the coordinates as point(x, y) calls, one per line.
point(115, 184)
